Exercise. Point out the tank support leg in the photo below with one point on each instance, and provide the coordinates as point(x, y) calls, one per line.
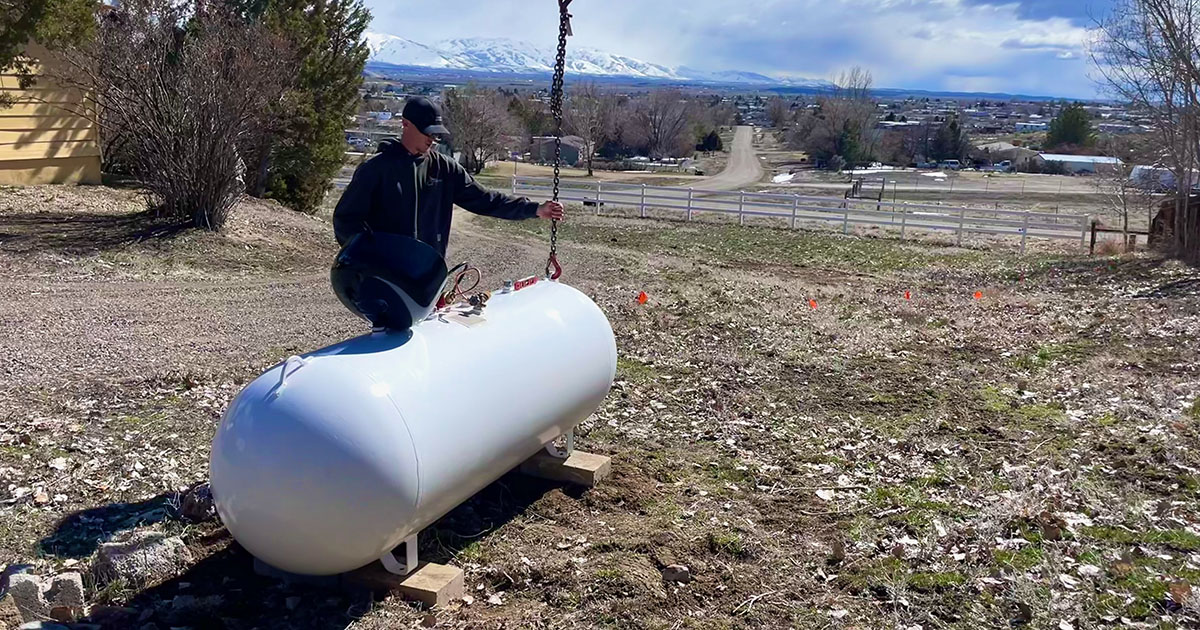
point(410, 558)
point(563, 453)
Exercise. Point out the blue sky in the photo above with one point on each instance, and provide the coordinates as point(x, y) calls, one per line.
point(1017, 46)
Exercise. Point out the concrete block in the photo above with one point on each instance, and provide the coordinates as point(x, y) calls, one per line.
point(29, 595)
point(580, 468)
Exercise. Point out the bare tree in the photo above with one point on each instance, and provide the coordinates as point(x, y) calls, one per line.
point(187, 91)
point(481, 125)
point(589, 115)
point(664, 115)
point(843, 122)
point(1147, 55)
point(779, 112)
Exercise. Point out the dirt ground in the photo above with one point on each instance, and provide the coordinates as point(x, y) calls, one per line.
point(829, 431)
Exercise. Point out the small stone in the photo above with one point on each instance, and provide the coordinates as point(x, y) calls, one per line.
point(63, 614)
point(677, 573)
point(428, 621)
point(292, 602)
point(468, 600)
point(140, 558)
point(197, 504)
point(42, 625)
point(41, 498)
point(183, 602)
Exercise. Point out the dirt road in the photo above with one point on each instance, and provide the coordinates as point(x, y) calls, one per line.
point(743, 168)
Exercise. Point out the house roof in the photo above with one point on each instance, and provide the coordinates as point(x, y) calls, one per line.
point(1081, 159)
point(997, 146)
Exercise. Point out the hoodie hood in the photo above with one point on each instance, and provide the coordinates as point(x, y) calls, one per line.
point(393, 146)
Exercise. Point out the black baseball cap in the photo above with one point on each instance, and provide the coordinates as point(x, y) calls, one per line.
point(426, 116)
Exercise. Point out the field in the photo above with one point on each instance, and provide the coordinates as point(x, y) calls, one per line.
point(830, 432)
point(1007, 191)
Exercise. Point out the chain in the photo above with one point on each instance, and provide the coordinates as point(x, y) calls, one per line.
point(556, 109)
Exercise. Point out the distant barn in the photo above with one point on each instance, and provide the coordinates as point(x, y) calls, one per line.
point(43, 139)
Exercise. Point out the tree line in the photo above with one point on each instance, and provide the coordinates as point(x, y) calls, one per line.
point(487, 122)
point(201, 101)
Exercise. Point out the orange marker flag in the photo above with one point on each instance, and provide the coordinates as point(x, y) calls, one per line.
point(642, 298)
point(979, 295)
point(813, 304)
point(907, 295)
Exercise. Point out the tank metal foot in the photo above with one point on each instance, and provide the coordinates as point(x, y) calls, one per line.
point(409, 565)
point(565, 452)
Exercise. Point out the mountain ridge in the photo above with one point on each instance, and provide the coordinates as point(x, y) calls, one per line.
point(501, 55)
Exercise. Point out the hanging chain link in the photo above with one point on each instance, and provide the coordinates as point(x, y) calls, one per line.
point(556, 109)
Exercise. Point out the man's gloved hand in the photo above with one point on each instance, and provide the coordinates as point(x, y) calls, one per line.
point(550, 210)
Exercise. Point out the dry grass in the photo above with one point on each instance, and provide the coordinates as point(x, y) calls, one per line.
point(1027, 458)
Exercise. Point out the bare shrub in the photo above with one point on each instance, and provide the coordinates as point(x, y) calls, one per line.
point(481, 124)
point(186, 88)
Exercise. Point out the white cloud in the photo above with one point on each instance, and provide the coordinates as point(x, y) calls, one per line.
point(939, 44)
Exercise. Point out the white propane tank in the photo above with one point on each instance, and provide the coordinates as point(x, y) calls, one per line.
point(327, 462)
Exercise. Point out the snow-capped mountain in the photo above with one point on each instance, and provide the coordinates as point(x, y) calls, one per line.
point(507, 56)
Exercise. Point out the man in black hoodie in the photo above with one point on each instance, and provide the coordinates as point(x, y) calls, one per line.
point(410, 189)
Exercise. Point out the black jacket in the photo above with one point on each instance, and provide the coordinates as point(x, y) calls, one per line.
point(398, 192)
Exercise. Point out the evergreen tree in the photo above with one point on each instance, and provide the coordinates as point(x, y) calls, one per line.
point(712, 142)
point(949, 143)
point(304, 154)
point(1072, 126)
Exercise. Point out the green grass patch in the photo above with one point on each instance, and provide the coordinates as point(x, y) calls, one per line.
point(1177, 539)
point(729, 470)
point(752, 245)
point(473, 552)
point(922, 581)
point(995, 400)
point(726, 543)
point(1068, 352)
point(1194, 410)
point(1022, 559)
point(634, 370)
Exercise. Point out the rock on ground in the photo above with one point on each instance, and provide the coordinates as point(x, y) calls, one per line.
point(677, 573)
point(196, 505)
point(141, 558)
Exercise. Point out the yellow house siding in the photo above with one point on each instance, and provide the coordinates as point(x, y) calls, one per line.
point(43, 137)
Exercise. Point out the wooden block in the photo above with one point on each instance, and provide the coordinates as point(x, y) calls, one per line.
point(580, 468)
point(433, 585)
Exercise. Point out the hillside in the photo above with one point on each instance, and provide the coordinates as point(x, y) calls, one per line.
point(828, 431)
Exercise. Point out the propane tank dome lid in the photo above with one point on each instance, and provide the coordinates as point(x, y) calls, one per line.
point(391, 280)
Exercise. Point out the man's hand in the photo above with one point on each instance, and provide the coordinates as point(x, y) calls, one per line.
point(550, 210)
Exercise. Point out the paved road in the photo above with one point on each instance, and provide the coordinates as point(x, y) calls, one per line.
point(743, 168)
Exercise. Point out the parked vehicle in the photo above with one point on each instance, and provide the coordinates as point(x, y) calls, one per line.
point(953, 165)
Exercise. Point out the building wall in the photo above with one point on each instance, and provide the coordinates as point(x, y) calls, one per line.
point(42, 138)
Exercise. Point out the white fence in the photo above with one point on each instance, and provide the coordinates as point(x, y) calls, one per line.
point(791, 209)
